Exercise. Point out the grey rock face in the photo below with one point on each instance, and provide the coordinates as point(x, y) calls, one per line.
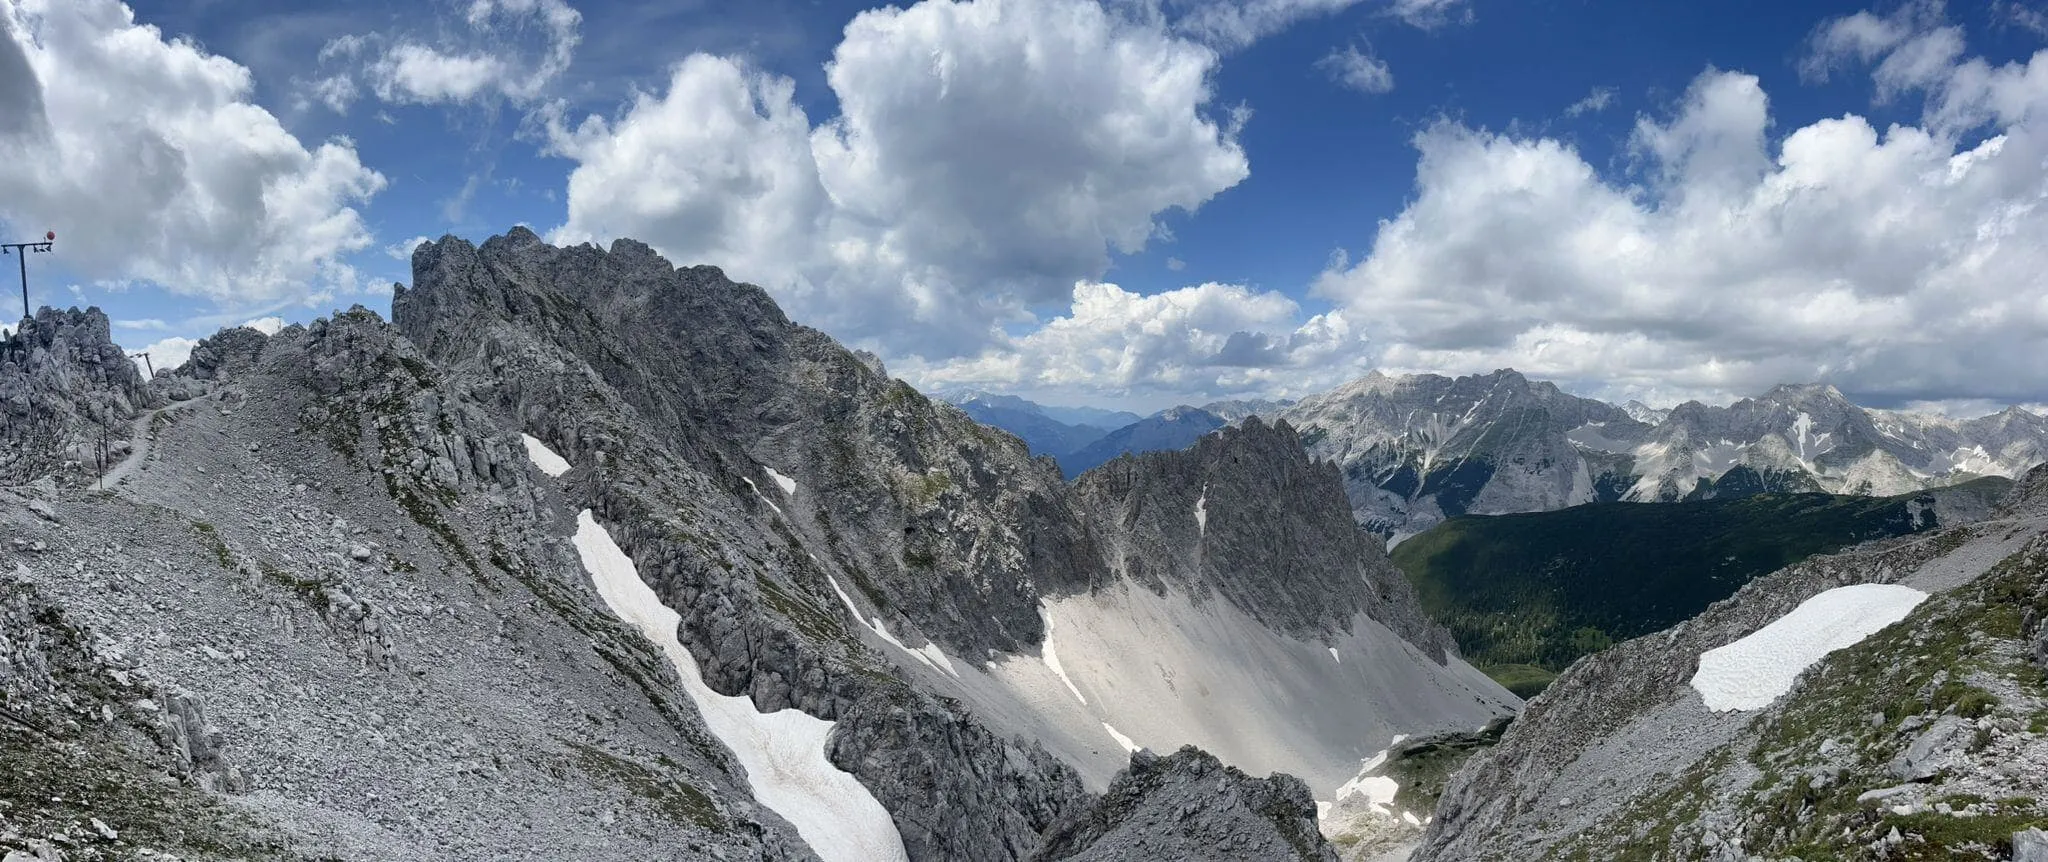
point(1415, 450)
point(65, 387)
point(1189, 806)
point(677, 392)
point(957, 791)
point(897, 483)
point(1246, 515)
point(1922, 759)
point(2030, 845)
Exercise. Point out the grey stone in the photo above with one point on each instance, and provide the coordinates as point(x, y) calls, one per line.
point(1923, 758)
point(1189, 806)
point(2030, 845)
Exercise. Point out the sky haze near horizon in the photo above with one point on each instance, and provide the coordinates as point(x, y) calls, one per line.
point(1122, 203)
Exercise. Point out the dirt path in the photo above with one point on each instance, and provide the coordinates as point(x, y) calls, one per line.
point(140, 441)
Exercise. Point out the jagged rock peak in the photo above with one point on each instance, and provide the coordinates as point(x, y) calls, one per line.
point(1190, 806)
point(459, 287)
point(64, 384)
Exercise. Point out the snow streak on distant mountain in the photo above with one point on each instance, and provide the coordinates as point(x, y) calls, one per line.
point(1421, 448)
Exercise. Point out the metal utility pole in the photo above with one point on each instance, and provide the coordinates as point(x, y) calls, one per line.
point(22, 249)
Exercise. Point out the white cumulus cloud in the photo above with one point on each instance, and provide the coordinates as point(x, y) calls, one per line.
point(1901, 262)
point(987, 155)
point(151, 163)
point(1191, 344)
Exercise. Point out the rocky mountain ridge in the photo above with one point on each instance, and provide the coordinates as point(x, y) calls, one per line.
point(377, 555)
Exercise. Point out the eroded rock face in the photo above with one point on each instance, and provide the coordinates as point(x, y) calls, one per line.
point(65, 389)
point(1189, 806)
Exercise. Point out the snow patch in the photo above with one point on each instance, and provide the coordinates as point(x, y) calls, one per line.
point(788, 484)
point(1755, 670)
point(1335, 657)
point(1052, 660)
point(543, 457)
point(930, 654)
point(1202, 512)
point(764, 497)
point(783, 752)
point(1378, 790)
point(1121, 739)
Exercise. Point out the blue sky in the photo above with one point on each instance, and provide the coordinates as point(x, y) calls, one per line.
point(1601, 193)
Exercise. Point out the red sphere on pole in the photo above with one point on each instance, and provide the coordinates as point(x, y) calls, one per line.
point(50, 236)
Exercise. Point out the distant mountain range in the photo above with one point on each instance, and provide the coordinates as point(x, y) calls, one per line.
point(1083, 438)
point(1416, 449)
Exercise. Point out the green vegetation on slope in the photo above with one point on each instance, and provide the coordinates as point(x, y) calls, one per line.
point(1543, 588)
point(1811, 759)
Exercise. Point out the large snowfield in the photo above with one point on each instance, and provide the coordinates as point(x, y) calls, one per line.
point(1752, 672)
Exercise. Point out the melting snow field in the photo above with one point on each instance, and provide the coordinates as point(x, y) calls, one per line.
point(787, 484)
point(543, 457)
point(1752, 672)
point(783, 752)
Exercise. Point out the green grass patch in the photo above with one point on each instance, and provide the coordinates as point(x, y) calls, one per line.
point(210, 537)
point(1525, 680)
point(676, 800)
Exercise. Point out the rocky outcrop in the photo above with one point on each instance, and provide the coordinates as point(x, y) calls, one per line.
point(957, 791)
point(955, 525)
point(67, 394)
point(1189, 806)
point(1246, 516)
point(687, 402)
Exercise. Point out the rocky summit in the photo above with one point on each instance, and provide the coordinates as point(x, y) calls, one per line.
point(584, 555)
